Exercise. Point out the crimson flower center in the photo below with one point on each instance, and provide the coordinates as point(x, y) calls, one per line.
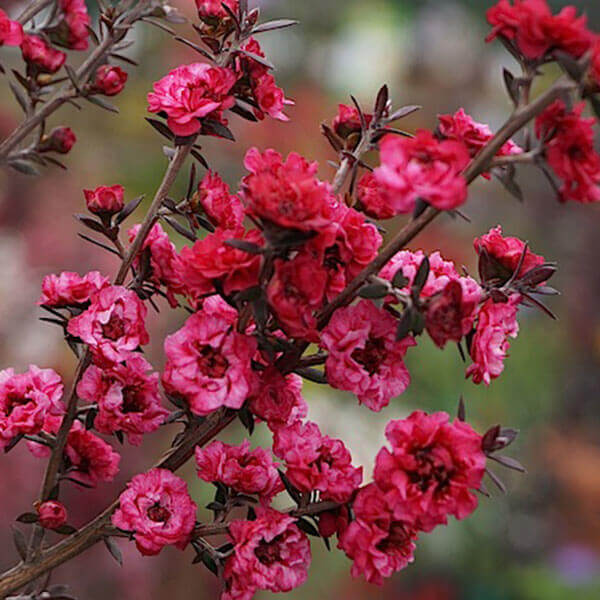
point(428, 472)
point(132, 402)
point(211, 362)
point(396, 540)
point(268, 552)
point(158, 514)
point(13, 400)
point(371, 356)
point(114, 329)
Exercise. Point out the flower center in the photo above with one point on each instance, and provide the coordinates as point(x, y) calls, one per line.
point(211, 362)
point(158, 514)
point(268, 552)
point(371, 356)
point(396, 540)
point(131, 400)
point(428, 472)
point(13, 400)
point(114, 329)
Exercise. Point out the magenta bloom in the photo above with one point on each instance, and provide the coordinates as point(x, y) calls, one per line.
point(422, 167)
point(278, 400)
point(431, 470)
point(364, 356)
point(286, 193)
point(260, 84)
point(26, 400)
point(165, 264)
point(535, 31)
point(245, 471)
point(191, 92)
point(113, 325)
point(223, 209)
point(105, 199)
point(157, 508)
point(209, 362)
point(378, 545)
point(38, 52)
point(52, 514)
point(73, 31)
point(295, 292)
point(211, 259)
point(372, 201)
point(109, 80)
point(89, 458)
point(127, 397)
point(270, 553)
point(11, 32)
point(570, 151)
point(317, 462)
point(461, 127)
point(347, 121)
point(507, 251)
point(211, 10)
point(70, 289)
point(489, 347)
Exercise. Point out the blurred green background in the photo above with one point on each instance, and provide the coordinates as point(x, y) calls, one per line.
point(542, 541)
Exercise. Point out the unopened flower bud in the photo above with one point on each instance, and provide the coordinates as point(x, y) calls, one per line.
point(109, 80)
point(61, 140)
point(52, 514)
point(105, 200)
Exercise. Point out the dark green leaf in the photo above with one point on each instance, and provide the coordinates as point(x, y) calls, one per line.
point(373, 291)
point(307, 527)
point(102, 103)
point(161, 127)
point(114, 550)
point(20, 543)
point(28, 517)
point(273, 25)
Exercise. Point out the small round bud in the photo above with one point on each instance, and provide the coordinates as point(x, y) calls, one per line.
point(61, 140)
point(109, 80)
point(52, 514)
point(105, 200)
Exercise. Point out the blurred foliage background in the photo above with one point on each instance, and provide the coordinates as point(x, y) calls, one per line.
point(542, 541)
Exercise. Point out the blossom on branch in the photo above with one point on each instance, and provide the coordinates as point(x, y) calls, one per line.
point(71, 289)
point(11, 32)
point(157, 508)
point(270, 553)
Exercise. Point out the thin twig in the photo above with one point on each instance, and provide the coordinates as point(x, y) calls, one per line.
point(32, 10)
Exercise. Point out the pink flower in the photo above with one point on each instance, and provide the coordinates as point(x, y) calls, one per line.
point(26, 400)
point(441, 271)
point(286, 193)
point(70, 289)
point(157, 507)
point(245, 471)
point(89, 458)
point(223, 209)
point(364, 356)
point(378, 544)
point(450, 314)
point(165, 264)
point(278, 399)
point(212, 260)
point(507, 251)
point(371, 199)
point(595, 66)
point(192, 92)
point(75, 25)
point(109, 80)
point(209, 362)
point(113, 325)
point(422, 167)
point(489, 347)
point(52, 514)
point(316, 462)
point(60, 139)
point(296, 290)
point(535, 30)
point(105, 200)
point(463, 128)
point(259, 84)
point(127, 397)
point(270, 553)
point(213, 9)
point(11, 32)
point(347, 121)
point(569, 150)
point(431, 470)
point(39, 53)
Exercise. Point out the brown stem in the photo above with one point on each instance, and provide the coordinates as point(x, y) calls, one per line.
point(207, 530)
point(68, 91)
point(33, 9)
